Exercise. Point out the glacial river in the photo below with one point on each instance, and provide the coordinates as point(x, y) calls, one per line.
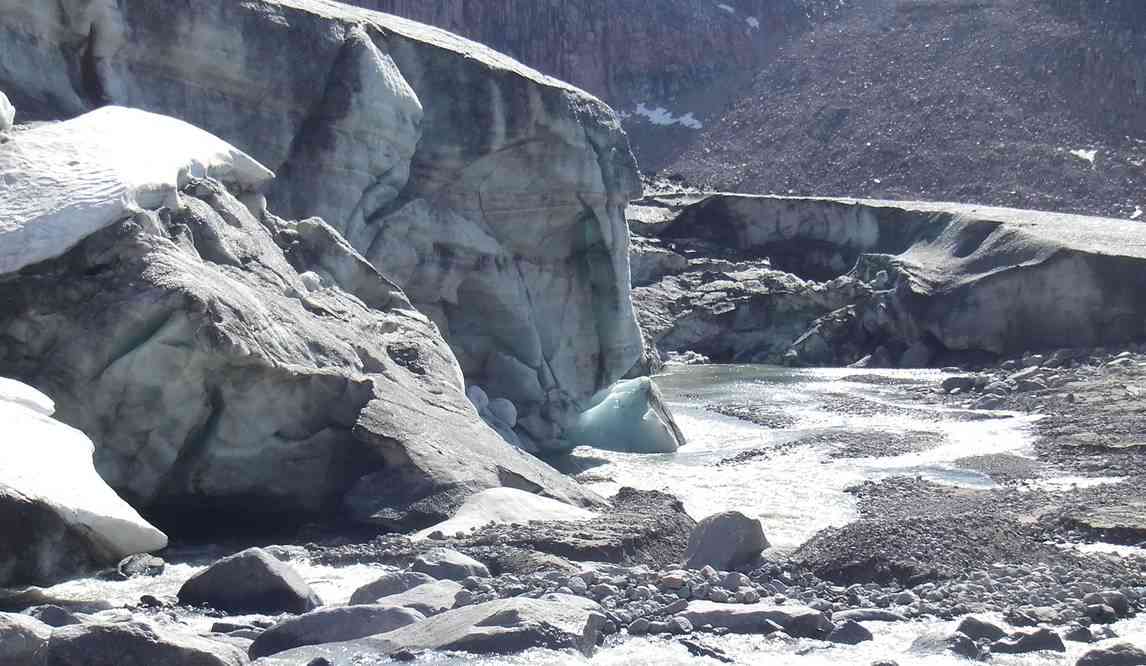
point(795, 491)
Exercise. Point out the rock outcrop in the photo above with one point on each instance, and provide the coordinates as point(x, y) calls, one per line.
point(493, 195)
point(58, 517)
point(230, 364)
point(909, 282)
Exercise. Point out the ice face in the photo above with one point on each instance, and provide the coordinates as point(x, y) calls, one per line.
point(629, 416)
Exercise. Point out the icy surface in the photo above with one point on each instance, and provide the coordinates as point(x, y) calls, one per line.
point(663, 117)
point(65, 181)
point(506, 505)
point(625, 418)
point(1087, 155)
point(47, 461)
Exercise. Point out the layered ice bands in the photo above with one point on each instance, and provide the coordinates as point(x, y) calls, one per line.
point(64, 182)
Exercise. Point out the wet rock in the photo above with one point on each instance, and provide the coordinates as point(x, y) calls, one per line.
point(725, 541)
point(977, 629)
point(446, 564)
point(428, 599)
point(136, 643)
point(935, 643)
point(797, 621)
point(53, 616)
point(1030, 641)
point(1077, 633)
point(143, 564)
point(849, 632)
point(250, 582)
point(23, 639)
point(869, 615)
point(388, 584)
point(331, 625)
point(1122, 654)
point(700, 649)
point(505, 626)
point(1113, 599)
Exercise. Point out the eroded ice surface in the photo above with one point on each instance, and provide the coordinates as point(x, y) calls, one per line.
point(62, 182)
point(503, 506)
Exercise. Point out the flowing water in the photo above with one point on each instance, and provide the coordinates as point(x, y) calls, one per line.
point(794, 490)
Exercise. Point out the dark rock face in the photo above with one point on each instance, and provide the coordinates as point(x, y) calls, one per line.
point(135, 643)
point(331, 625)
point(725, 541)
point(250, 582)
point(1122, 654)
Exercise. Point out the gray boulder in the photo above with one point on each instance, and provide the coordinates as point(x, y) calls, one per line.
point(1022, 642)
point(505, 626)
point(134, 643)
point(446, 564)
point(332, 625)
point(428, 599)
point(849, 632)
point(23, 640)
point(977, 629)
point(725, 540)
point(1121, 654)
point(388, 584)
point(251, 581)
point(799, 621)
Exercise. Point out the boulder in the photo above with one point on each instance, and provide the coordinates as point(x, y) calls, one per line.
point(977, 629)
point(849, 632)
point(1120, 654)
point(392, 583)
point(242, 392)
point(136, 643)
point(446, 564)
point(23, 640)
point(505, 626)
point(251, 581)
point(798, 621)
point(53, 616)
point(7, 113)
point(428, 599)
point(492, 194)
point(868, 615)
point(725, 541)
point(332, 625)
point(506, 506)
point(630, 416)
point(1022, 642)
point(58, 517)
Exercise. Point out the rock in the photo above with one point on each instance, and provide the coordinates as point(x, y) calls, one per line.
point(332, 625)
point(977, 629)
point(428, 599)
point(936, 643)
point(962, 383)
point(7, 113)
point(136, 643)
point(250, 581)
point(58, 517)
point(849, 632)
point(506, 506)
point(798, 621)
point(446, 564)
point(505, 626)
point(699, 649)
point(725, 541)
point(650, 261)
point(23, 640)
point(504, 411)
point(630, 416)
point(134, 566)
point(53, 616)
point(868, 615)
point(1077, 633)
point(1112, 598)
point(1022, 642)
point(1121, 654)
point(388, 584)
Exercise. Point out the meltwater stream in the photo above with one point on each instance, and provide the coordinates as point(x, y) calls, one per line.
point(794, 490)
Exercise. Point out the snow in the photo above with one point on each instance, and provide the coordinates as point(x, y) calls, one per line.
point(753, 22)
point(663, 117)
point(1137, 213)
point(727, 8)
point(503, 506)
point(623, 418)
point(7, 113)
point(1087, 155)
point(45, 460)
point(65, 181)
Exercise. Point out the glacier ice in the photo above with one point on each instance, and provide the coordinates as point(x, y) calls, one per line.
point(65, 181)
point(629, 416)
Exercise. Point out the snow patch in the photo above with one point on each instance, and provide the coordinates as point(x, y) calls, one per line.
point(65, 181)
point(753, 23)
point(51, 463)
point(1137, 213)
point(663, 117)
point(503, 506)
point(727, 8)
point(1086, 155)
